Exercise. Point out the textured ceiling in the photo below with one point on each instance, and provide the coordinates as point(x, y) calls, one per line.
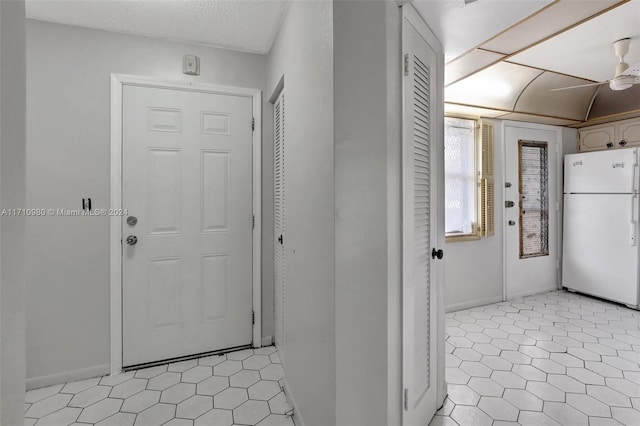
point(245, 25)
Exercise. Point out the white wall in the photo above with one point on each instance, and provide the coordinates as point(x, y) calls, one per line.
point(303, 53)
point(12, 196)
point(474, 269)
point(68, 132)
point(367, 96)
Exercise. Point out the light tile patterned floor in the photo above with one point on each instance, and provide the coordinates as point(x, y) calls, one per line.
point(239, 388)
point(556, 359)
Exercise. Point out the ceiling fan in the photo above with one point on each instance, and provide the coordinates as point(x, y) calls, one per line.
point(625, 76)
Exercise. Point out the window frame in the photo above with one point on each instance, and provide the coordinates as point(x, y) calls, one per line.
point(475, 233)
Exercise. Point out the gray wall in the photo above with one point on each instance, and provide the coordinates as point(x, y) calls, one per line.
point(367, 96)
point(68, 148)
point(303, 53)
point(474, 269)
point(12, 196)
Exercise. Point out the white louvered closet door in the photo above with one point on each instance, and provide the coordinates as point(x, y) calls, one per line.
point(421, 155)
point(278, 214)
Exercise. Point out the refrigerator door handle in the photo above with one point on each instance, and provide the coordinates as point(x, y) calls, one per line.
point(634, 219)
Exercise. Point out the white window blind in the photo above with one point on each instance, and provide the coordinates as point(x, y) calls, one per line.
point(460, 176)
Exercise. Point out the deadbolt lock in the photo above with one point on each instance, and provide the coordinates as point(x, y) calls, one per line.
point(508, 204)
point(512, 223)
point(132, 220)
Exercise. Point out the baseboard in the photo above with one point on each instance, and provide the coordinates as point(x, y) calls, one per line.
point(297, 419)
point(472, 304)
point(531, 293)
point(267, 341)
point(67, 376)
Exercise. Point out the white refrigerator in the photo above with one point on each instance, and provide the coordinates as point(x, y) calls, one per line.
point(600, 232)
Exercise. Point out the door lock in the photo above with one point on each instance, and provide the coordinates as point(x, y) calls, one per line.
point(132, 220)
point(132, 240)
point(509, 204)
point(437, 253)
point(512, 223)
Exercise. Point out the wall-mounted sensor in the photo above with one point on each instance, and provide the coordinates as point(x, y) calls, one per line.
point(191, 65)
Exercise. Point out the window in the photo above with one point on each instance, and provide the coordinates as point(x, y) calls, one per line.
point(468, 179)
point(534, 201)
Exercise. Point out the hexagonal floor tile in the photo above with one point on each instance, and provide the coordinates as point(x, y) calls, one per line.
point(463, 395)
point(100, 411)
point(178, 393)
point(196, 374)
point(498, 408)
point(212, 385)
point(565, 414)
point(279, 404)
point(163, 381)
point(118, 419)
point(48, 405)
point(64, 416)
point(90, 396)
point(194, 407)
point(148, 373)
point(272, 372)
point(215, 417)
point(251, 412)
point(182, 366)
point(485, 387)
point(256, 362)
point(523, 400)
point(230, 398)
point(264, 390)
point(244, 379)
point(465, 415)
point(588, 405)
point(240, 355)
point(128, 388)
point(140, 401)
point(276, 420)
point(157, 415)
point(227, 368)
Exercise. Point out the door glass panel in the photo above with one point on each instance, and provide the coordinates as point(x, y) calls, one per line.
point(534, 198)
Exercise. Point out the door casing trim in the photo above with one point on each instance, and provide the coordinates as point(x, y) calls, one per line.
point(115, 222)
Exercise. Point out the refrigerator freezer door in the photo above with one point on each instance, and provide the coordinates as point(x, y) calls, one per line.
point(602, 172)
point(600, 253)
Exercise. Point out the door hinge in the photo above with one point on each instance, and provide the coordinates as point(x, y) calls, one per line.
point(253, 317)
point(406, 399)
point(253, 124)
point(253, 221)
point(406, 64)
point(557, 263)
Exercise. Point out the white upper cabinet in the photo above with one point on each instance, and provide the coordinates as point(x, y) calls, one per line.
point(621, 134)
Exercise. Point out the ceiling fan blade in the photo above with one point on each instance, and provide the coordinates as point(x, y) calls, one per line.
point(634, 69)
point(581, 85)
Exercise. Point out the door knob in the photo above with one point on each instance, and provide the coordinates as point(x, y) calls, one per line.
point(512, 223)
point(437, 253)
point(132, 240)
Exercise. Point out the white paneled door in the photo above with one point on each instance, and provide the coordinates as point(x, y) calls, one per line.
point(531, 210)
point(422, 231)
point(187, 255)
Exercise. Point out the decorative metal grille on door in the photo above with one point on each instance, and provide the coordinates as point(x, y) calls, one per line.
point(534, 198)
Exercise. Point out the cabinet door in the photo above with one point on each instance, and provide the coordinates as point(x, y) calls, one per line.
point(596, 137)
point(629, 131)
